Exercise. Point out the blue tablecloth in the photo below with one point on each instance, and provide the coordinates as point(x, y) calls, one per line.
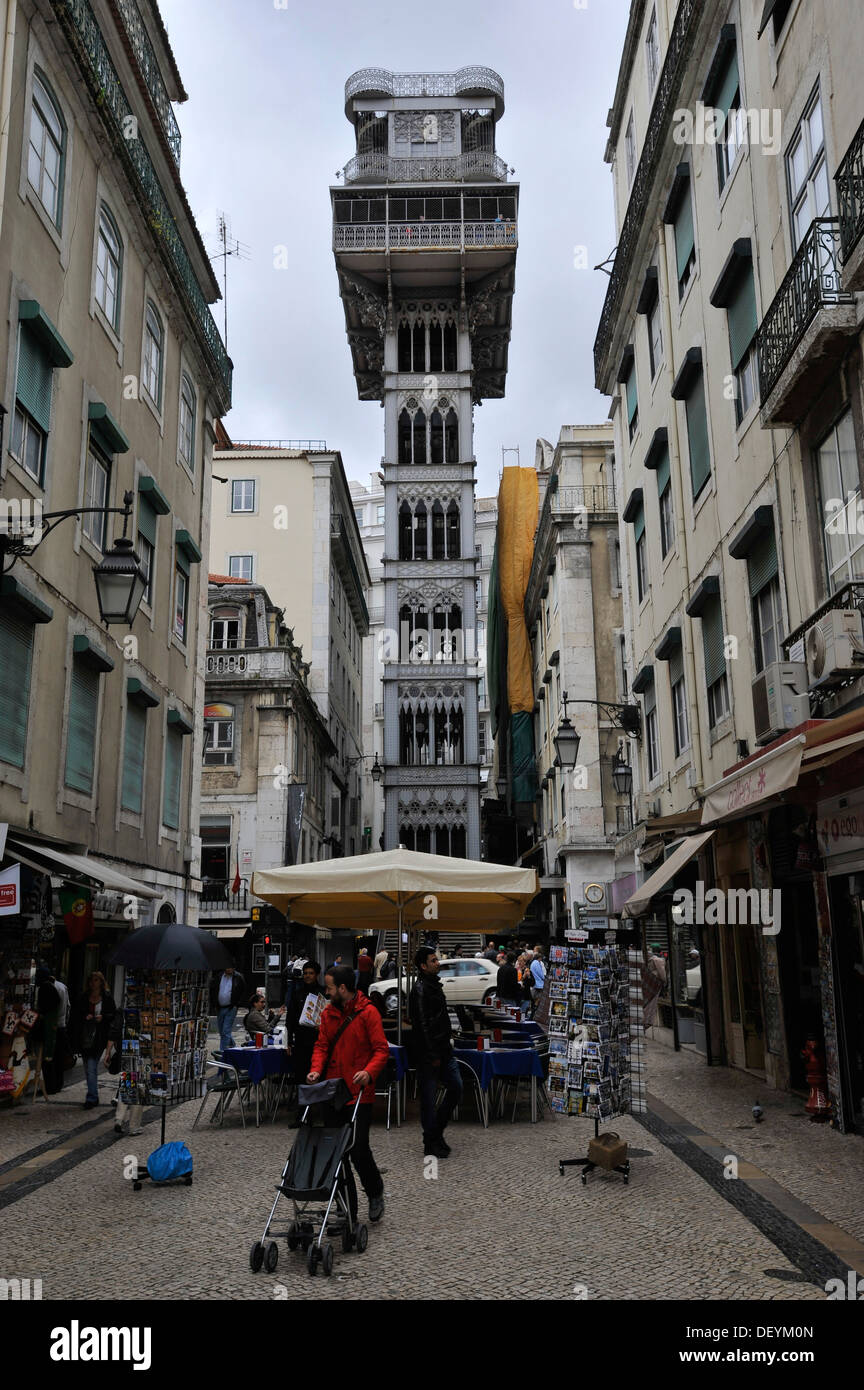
point(527, 1028)
point(502, 1062)
point(400, 1057)
point(259, 1061)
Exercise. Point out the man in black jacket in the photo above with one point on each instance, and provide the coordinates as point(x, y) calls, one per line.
point(436, 1065)
point(302, 1037)
point(507, 983)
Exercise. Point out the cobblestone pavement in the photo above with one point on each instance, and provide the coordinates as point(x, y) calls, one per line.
point(815, 1163)
point(670, 1234)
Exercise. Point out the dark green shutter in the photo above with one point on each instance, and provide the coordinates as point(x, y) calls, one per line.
point(147, 520)
point(639, 525)
point(712, 639)
point(81, 735)
point(132, 798)
point(684, 237)
point(762, 562)
point(663, 473)
point(676, 666)
point(728, 87)
point(182, 559)
point(35, 378)
point(16, 644)
point(173, 776)
point(697, 433)
point(632, 398)
point(741, 313)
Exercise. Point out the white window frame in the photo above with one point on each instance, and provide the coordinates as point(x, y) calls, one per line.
point(113, 258)
point(95, 463)
point(153, 355)
point(815, 161)
point(187, 411)
point(680, 718)
point(181, 583)
point(652, 52)
point(242, 483)
point(44, 105)
point(652, 743)
point(630, 149)
point(655, 337)
point(246, 556)
point(667, 521)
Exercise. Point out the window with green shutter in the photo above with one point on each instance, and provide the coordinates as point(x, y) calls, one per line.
point(712, 639)
point(697, 434)
point(632, 401)
point(762, 562)
point(81, 733)
point(741, 315)
point(16, 644)
point(132, 793)
point(173, 779)
point(35, 377)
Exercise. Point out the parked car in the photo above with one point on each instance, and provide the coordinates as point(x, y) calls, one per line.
point(464, 981)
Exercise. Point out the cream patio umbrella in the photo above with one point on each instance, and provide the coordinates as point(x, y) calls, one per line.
point(400, 888)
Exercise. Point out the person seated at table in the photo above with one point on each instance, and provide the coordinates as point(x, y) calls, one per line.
point(260, 1019)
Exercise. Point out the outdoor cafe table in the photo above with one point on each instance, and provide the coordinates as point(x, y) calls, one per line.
point(260, 1063)
point(499, 1062)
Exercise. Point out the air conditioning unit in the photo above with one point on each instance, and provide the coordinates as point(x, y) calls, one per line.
point(780, 699)
point(834, 647)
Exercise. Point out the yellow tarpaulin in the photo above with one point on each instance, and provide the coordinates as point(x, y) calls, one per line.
point(517, 523)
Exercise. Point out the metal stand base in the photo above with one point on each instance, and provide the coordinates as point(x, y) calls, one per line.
point(588, 1165)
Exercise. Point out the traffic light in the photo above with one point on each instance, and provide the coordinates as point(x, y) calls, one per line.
point(267, 941)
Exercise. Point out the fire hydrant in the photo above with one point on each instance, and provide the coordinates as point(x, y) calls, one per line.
point(818, 1104)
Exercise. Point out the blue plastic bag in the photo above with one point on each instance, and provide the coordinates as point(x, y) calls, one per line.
point(169, 1162)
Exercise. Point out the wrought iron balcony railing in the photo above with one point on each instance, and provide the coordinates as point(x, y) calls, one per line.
point(426, 168)
point(411, 236)
point(654, 151)
point(310, 446)
point(597, 497)
point(424, 84)
point(145, 56)
point(811, 283)
point(850, 194)
point(216, 895)
point(850, 596)
point(94, 61)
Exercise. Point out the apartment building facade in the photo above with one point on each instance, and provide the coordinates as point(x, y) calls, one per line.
point(114, 373)
point(730, 342)
point(285, 519)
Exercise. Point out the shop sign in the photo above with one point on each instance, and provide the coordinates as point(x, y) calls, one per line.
point(590, 922)
point(10, 891)
point(840, 824)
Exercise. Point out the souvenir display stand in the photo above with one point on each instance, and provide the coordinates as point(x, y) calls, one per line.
point(20, 1064)
point(164, 1049)
point(594, 996)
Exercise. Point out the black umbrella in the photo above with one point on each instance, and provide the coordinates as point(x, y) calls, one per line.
point(172, 946)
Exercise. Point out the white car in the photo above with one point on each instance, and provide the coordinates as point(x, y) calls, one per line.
point(464, 981)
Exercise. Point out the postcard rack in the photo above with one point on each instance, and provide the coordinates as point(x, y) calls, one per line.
point(164, 1048)
point(595, 1035)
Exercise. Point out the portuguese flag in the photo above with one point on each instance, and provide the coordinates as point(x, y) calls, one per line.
point(76, 904)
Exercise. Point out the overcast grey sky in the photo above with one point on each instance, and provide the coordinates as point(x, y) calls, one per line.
point(264, 132)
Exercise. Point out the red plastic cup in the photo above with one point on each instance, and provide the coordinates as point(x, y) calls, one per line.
point(479, 1044)
point(259, 1039)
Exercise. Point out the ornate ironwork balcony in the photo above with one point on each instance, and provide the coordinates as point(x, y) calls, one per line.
point(216, 896)
point(145, 56)
point(812, 283)
point(597, 497)
point(475, 164)
point(88, 45)
point(405, 236)
point(850, 195)
point(654, 151)
point(375, 81)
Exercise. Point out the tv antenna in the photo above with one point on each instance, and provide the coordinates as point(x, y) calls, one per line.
point(230, 247)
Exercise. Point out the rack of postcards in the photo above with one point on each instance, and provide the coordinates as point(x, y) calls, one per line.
point(164, 1048)
point(595, 1030)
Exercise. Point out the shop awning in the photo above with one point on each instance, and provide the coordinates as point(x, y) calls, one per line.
point(640, 901)
point(47, 859)
point(826, 753)
point(754, 783)
point(227, 931)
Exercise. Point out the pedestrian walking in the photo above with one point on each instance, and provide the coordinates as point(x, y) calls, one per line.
point(653, 984)
point(491, 952)
point(94, 1019)
point(507, 984)
point(433, 1042)
point(365, 966)
point(44, 1035)
point(303, 1035)
point(538, 975)
point(525, 982)
point(380, 960)
point(228, 988)
point(351, 1045)
point(388, 969)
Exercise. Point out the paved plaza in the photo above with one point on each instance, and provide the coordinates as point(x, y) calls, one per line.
point(497, 1219)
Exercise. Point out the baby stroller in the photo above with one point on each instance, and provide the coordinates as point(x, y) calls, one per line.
point(316, 1173)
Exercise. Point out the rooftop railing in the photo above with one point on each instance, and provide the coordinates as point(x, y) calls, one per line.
point(148, 64)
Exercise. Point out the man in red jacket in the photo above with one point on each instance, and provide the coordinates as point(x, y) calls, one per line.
point(351, 1044)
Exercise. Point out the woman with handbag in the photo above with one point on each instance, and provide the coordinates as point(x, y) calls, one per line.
point(96, 1013)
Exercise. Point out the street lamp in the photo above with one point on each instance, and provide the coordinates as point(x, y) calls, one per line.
point(566, 740)
point(501, 788)
point(622, 775)
point(120, 580)
point(376, 770)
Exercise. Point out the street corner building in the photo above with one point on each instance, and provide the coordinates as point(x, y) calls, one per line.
point(730, 343)
point(113, 376)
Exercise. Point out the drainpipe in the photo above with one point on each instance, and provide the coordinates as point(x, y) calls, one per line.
point(681, 529)
point(6, 97)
